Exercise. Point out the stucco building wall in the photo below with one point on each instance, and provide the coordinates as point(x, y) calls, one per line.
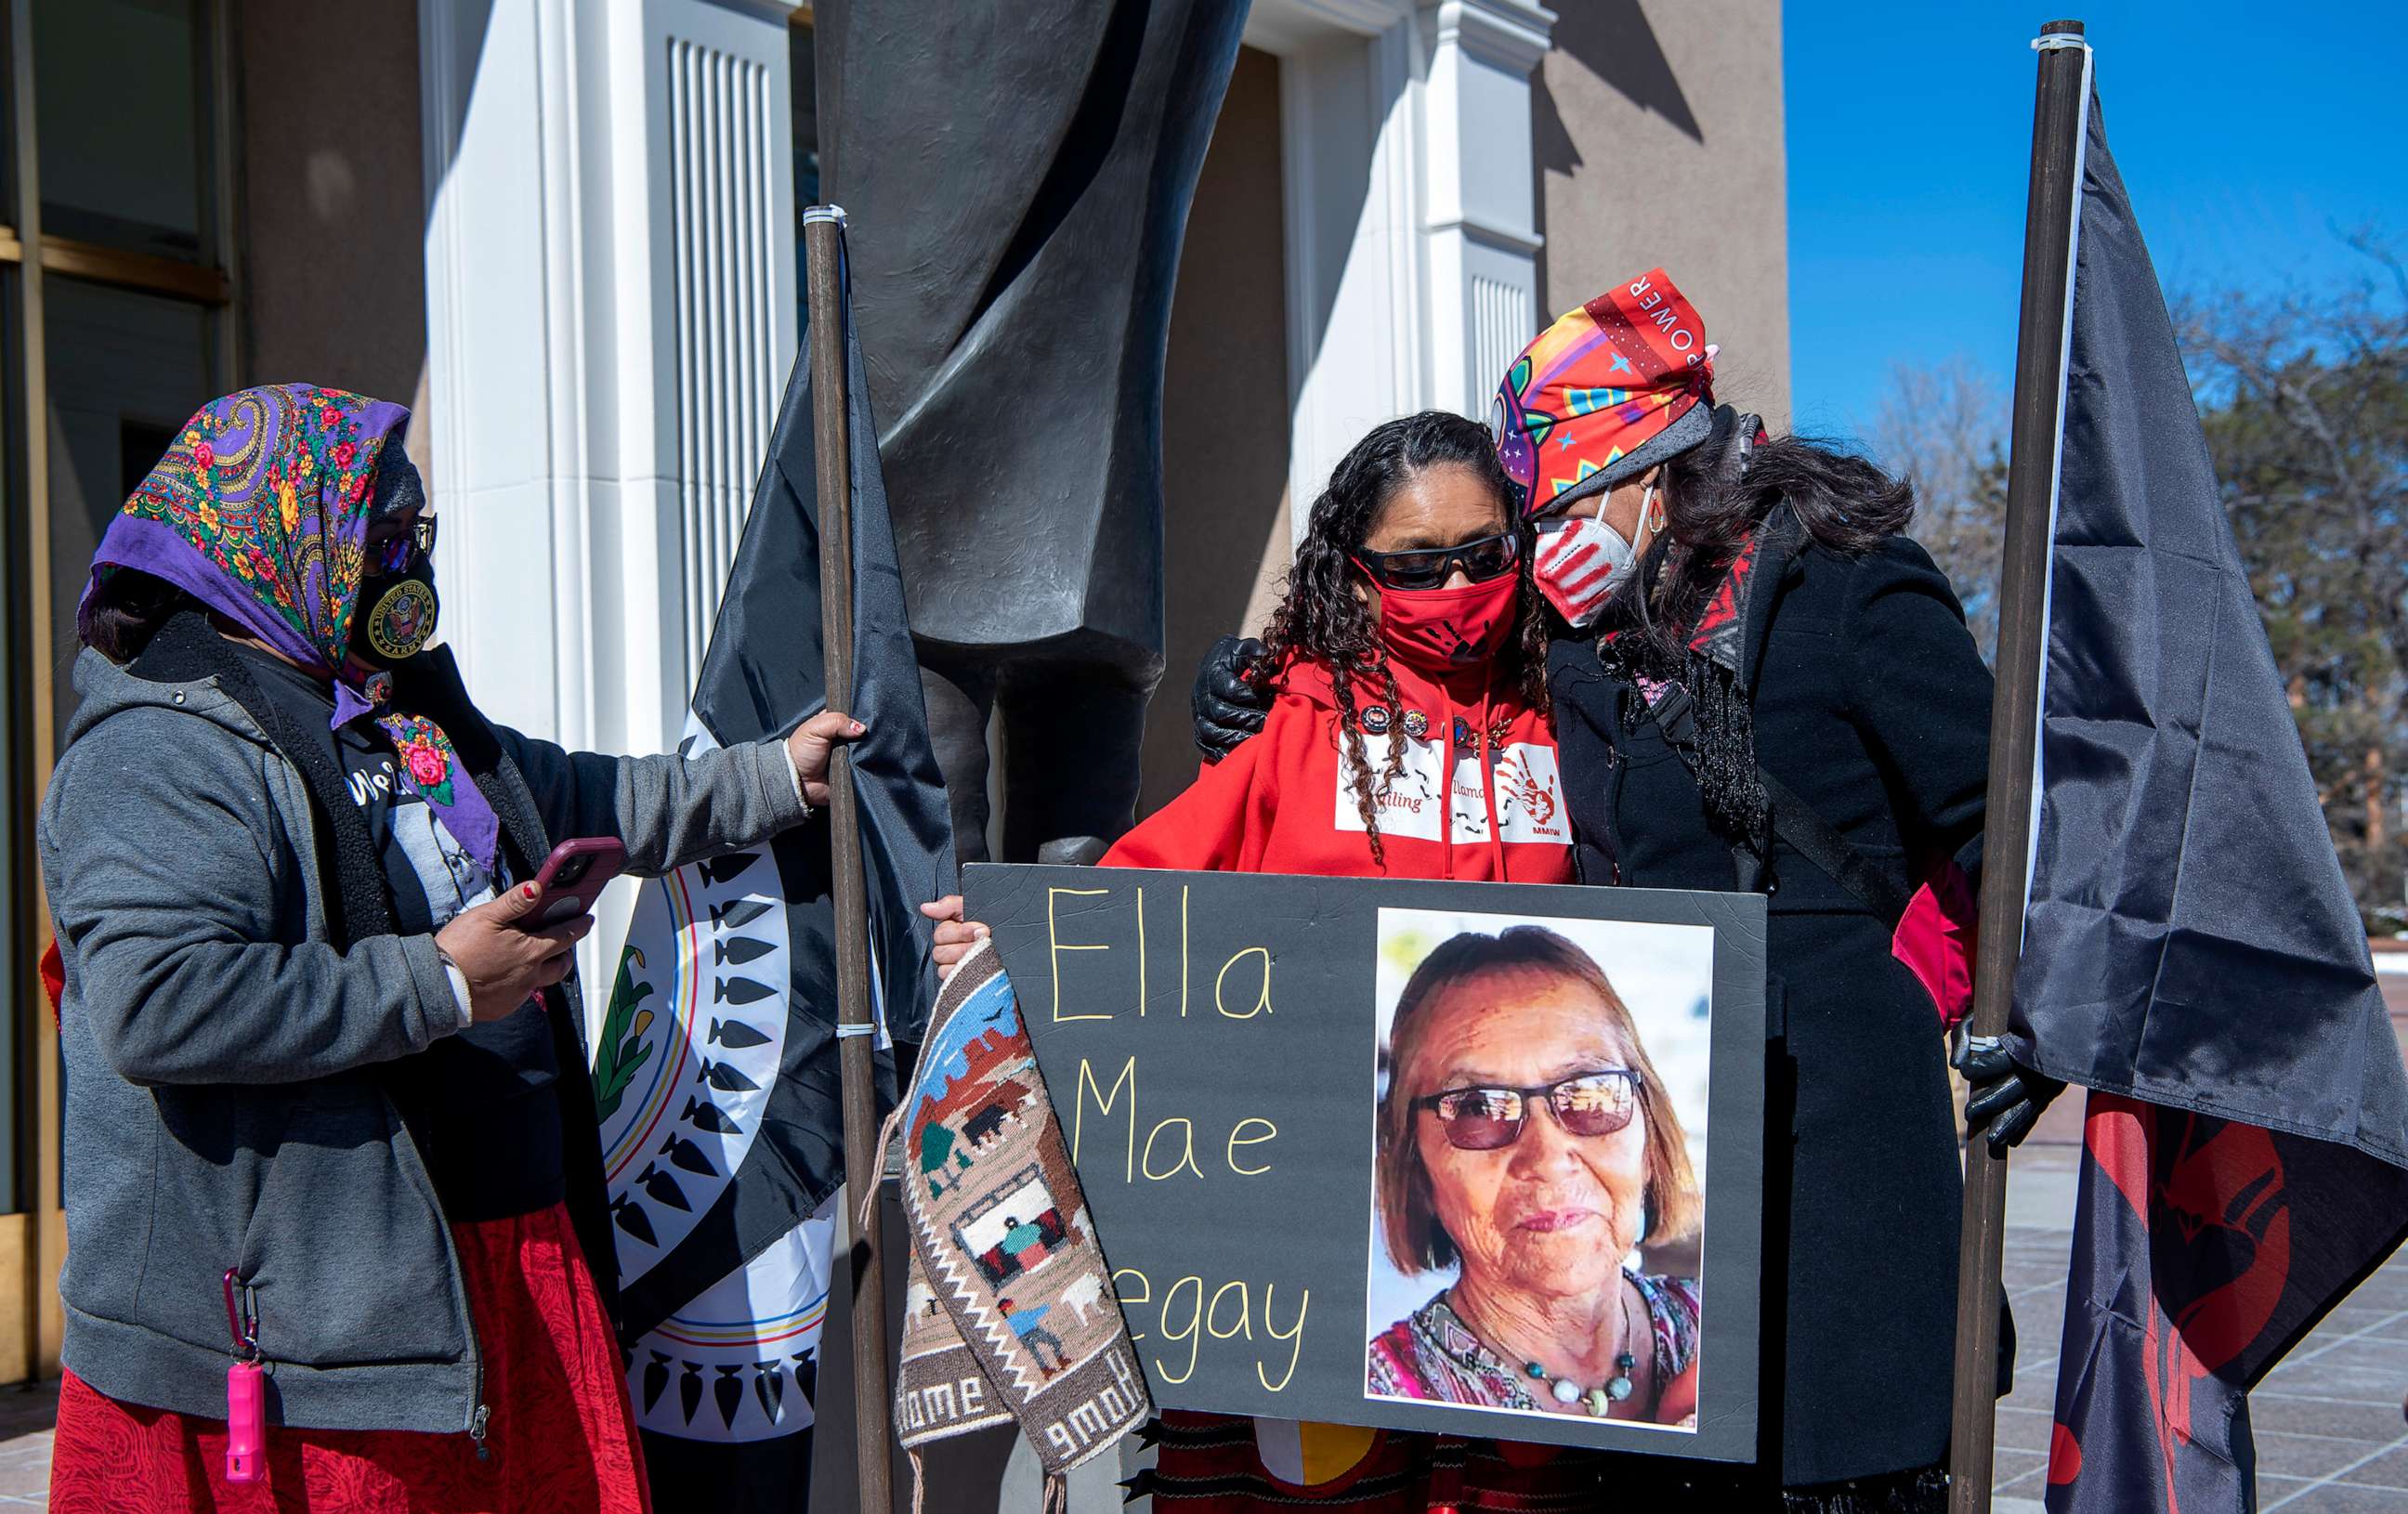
point(1658, 130)
point(1225, 411)
point(331, 207)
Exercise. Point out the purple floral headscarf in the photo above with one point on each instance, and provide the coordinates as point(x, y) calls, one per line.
point(260, 511)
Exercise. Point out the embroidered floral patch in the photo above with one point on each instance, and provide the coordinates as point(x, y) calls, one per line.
point(427, 759)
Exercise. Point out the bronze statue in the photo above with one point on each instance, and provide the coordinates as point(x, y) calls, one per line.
point(1018, 179)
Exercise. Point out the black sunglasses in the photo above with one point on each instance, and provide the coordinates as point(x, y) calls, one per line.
point(1489, 1119)
point(1427, 567)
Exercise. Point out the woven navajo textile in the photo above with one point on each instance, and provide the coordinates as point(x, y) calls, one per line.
point(1011, 1312)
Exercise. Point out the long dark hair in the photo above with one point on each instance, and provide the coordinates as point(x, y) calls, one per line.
point(1319, 618)
point(1716, 495)
point(125, 609)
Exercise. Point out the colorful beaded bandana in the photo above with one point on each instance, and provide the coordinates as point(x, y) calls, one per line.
point(1596, 387)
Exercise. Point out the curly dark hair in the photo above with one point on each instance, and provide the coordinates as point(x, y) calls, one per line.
point(1319, 618)
point(1716, 494)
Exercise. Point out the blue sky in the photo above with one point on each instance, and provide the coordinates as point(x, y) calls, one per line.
point(2244, 136)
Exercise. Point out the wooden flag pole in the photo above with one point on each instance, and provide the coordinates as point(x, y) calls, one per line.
point(832, 445)
point(2014, 727)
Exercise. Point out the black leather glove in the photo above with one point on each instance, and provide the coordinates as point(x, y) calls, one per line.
point(1228, 708)
point(2006, 1097)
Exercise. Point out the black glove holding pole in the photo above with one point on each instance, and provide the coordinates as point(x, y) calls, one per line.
point(2006, 1097)
point(1228, 708)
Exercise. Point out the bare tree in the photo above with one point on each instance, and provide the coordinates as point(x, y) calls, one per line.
point(2305, 400)
point(1942, 427)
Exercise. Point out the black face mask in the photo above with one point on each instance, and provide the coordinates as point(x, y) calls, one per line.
point(396, 615)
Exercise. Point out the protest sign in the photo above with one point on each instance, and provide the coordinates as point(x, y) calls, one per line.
point(1337, 1136)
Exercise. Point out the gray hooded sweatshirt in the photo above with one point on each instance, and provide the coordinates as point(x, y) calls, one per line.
point(224, 1107)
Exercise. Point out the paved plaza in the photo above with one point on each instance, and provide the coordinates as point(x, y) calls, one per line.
point(2332, 1439)
point(2329, 1432)
point(25, 1417)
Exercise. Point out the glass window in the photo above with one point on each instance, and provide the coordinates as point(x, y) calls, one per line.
point(126, 369)
point(123, 119)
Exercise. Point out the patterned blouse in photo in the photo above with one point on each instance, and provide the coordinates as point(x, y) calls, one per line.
point(1433, 1356)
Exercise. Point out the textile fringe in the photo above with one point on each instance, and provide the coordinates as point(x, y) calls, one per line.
point(887, 1133)
point(1728, 775)
point(1057, 1493)
point(1920, 1490)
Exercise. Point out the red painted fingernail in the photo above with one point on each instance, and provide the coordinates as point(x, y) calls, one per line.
point(529, 891)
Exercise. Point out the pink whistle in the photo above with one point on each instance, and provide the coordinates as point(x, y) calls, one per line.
point(246, 1396)
point(246, 1422)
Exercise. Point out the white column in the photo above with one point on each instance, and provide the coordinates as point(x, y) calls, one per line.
point(612, 313)
point(611, 295)
point(1411, 207)
point(1355, 306)
point(1479, 192)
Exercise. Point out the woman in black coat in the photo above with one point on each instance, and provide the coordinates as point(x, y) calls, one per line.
point(1835, 671)
point(1760, 684)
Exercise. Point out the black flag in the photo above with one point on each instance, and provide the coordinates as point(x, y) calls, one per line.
point(716, 1069)
point(2192, 952)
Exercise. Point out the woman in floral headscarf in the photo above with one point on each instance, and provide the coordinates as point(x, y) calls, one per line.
point(327, 1105)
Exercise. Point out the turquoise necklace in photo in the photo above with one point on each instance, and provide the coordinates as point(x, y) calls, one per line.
point(1599, 1400)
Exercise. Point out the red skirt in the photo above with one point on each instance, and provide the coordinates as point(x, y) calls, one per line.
point(561, 1435)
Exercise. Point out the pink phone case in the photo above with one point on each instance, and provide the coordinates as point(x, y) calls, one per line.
point(575, 874)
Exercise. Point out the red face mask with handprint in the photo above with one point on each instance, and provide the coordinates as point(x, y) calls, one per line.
point(1443, 631)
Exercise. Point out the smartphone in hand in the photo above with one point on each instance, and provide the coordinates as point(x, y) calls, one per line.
point(573, 877)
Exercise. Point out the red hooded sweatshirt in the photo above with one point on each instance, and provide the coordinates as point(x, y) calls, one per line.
point(1284, 803)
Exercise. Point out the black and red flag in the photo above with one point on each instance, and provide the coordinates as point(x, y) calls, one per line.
point(716, 1077)
point(2191, 952)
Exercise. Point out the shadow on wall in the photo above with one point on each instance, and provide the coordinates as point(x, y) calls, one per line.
point(1334, 192)
point(331, 223)
point(1225, 412)
point(1614, 40)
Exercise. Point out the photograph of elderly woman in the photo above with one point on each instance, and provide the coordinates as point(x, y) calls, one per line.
point(1541, 1164)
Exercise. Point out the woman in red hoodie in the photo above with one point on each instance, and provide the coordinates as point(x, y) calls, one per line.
point(1408, 736)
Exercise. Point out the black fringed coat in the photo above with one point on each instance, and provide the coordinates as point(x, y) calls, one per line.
point(1872, 705)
